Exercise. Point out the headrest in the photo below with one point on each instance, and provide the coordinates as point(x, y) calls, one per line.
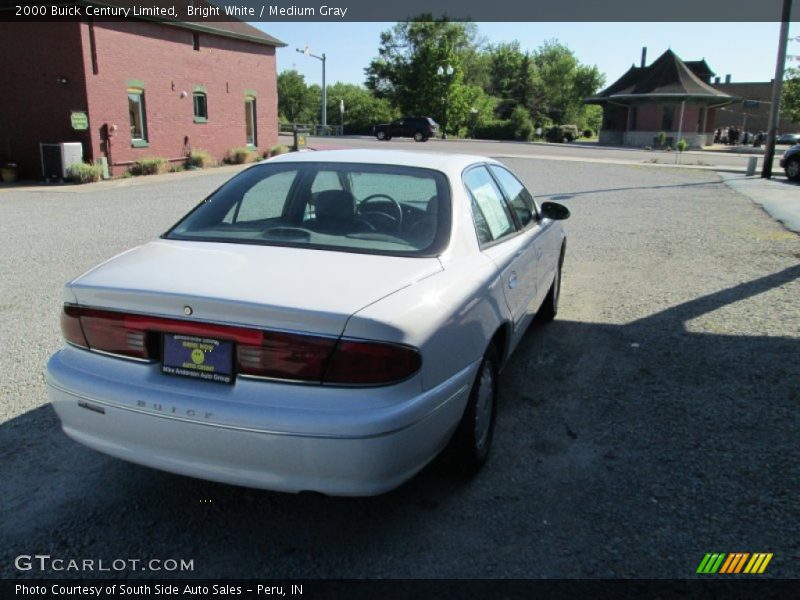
point(335, 205)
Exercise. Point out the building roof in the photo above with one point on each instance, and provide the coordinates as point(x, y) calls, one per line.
point(668, 77)
point(230, 27)
point(700, 68)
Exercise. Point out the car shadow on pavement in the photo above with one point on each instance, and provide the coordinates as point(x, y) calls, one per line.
point(647, 440)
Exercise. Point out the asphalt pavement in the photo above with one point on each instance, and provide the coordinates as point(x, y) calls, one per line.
point(654, 421)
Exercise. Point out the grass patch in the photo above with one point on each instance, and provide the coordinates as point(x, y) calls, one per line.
point(200, 159)
point(150, 165)
point(84, 172)
point(240, 156)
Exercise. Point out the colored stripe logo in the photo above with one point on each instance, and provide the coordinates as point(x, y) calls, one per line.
point(732, 563)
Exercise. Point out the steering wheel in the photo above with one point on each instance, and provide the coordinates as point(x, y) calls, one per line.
point(391, 221)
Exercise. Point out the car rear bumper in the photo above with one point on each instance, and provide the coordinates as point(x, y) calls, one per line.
point(338, 441)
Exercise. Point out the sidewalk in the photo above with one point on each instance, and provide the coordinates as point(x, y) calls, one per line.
point(778, 196)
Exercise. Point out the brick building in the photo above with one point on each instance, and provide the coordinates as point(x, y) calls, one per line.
point(751, 113)
point(669, 95)
point(132, 89)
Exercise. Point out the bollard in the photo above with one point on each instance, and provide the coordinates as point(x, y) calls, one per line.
point(751, 165)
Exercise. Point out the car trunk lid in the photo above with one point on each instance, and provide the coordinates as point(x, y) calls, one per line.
point(295, 289)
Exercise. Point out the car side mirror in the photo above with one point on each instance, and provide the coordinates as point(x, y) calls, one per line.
point(555, 211)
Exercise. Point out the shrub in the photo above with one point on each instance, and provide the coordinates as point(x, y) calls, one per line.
point(562, 133)
point(662, 138)
point(682, 145)
point(495, 129)
point(521, 125)
point(84, 172)
point(277, 150)
point(240, 156)
point(587, 133)
point(151, 165)
point(199, 159)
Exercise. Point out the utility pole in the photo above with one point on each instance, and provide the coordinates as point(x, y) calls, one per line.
point(777, 83)
point(322, 58)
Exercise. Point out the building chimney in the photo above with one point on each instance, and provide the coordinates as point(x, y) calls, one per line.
point(727, 78)
point(644, 56)
point(716, 80)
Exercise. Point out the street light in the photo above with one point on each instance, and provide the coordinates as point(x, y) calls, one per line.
point(307, 52)
point(447, 70)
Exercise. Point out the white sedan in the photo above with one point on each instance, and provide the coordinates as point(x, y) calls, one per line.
point(324, 321)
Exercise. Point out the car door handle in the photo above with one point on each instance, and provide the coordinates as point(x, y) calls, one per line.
point(512, 280)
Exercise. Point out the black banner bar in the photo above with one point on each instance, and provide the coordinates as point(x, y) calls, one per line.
point(200, 11)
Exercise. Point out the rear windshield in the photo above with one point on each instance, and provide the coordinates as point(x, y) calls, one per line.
point(383, 209)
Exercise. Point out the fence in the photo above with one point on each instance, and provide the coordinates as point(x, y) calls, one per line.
point(312, 130)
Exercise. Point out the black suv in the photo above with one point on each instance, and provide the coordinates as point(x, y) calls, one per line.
point(420, 128)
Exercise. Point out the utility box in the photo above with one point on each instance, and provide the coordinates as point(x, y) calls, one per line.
point(57, 158)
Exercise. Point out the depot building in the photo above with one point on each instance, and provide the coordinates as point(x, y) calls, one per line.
point(123, 90)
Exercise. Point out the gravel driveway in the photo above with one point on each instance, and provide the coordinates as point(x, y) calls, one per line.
point(654, 421)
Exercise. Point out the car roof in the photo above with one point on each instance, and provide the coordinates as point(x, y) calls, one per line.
point(440, 161)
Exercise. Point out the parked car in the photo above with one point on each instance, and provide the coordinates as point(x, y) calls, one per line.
point(788, 138)
point(790, 163)
point(419, 128)
point(324, 321)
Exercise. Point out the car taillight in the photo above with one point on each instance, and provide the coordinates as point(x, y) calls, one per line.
point(269, 354)
point(286, 356)
point(71, 326)
point(371, 363)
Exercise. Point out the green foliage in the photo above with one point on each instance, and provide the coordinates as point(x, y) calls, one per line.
point(362, 110)
point(406, 72)
point(84, 172)
point(521, 125)
point(682, 145)
point(276, 150)
point(790, 96)
point(562, 83)
point(241, 155)
point(294, 100)
point(587, 133)
point(662, 138)
point(150, 165)
point(495, 129)
point(562, 133)
point(199, 159)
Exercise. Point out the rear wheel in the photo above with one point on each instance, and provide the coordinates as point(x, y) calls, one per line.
point(419, 136)
point(381, 135)
point(471, 442)
point(792, 169)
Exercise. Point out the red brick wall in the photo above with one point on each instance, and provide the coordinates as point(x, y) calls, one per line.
point(162, 57)
point(34, 107)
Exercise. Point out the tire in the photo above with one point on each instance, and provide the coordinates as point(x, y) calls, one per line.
point(381, 135)
point(419, 136)
point(469, 448)
point(792, 169)
point(549, 309)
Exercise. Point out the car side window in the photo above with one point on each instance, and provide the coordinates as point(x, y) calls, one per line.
point(521, 200)
point(265, 200)
point(489, 208)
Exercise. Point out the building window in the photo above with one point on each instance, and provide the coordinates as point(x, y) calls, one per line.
point(251, 135)
point(196, 41)
point(138, 117)
point(200, 107)
point(667, 117)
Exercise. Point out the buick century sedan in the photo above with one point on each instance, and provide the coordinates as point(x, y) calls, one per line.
point(324, 321)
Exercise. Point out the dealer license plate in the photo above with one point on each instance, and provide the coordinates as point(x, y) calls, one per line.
point(197, 357)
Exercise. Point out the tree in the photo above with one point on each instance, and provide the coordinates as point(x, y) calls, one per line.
point(411, 54)
point(293, 96)
point(362, 109)
point(563, 83)
point(790, 96)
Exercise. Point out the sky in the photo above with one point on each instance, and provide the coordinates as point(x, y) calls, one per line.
point(746, 51)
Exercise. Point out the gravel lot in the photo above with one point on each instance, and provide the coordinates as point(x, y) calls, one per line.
point(654, 421)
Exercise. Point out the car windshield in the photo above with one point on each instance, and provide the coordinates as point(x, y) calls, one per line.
point(368, 208)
